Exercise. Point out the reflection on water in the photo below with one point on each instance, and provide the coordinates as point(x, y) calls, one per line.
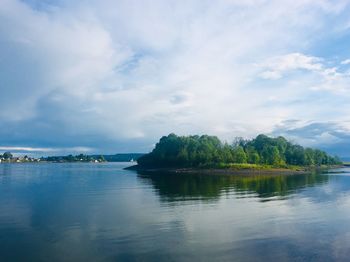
point(203, 186)
point(100, 212)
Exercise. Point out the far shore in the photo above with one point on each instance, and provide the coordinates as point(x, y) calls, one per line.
point(235, 171)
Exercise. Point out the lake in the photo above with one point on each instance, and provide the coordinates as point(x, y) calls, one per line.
point(100, 212)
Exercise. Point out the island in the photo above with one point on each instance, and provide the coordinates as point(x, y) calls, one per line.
point(207, 154)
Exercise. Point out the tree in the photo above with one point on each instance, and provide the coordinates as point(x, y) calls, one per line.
point(271, 155)
point(239, 156)
point(252, 155)
point(309, 157)
point(7, 155)
point(295, 155)
point(182, 157)
point(318, 157)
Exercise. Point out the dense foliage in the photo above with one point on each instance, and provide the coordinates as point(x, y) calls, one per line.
point(197, 151)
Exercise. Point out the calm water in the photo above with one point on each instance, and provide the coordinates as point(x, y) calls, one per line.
point(99, 212)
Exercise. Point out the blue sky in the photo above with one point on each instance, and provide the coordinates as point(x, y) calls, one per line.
point(113, 76)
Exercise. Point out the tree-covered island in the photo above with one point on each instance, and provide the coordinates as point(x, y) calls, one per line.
point(207, 152)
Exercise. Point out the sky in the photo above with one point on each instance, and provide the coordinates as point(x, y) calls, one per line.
point(108, 76)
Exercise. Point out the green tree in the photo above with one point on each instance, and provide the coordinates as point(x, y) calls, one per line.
point(252, 155)
point(271, 155)
point(239, 156)
point(7, 155)
point(309, 157)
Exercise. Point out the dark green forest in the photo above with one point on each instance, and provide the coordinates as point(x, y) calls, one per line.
point(209, 151)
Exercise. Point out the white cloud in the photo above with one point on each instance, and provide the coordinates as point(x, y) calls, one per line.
point(345, 62)
point(279, 65)
point(122, 70)
point(271, 75)
point(321, 77)
point(45, 149)
point(25, 149)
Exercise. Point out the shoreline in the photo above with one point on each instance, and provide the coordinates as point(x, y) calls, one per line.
point(234, 171)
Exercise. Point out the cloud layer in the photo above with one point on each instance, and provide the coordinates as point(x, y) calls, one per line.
point(116, 75)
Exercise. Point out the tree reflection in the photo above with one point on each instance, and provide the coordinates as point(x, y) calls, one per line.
point(176, 187)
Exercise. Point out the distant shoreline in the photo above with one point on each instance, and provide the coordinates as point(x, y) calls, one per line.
point(234, 171)
point(61, 162)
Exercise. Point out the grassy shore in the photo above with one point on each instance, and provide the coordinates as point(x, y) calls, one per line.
point(238, 169)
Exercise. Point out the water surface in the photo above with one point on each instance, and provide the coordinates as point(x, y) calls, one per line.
point(100, 212)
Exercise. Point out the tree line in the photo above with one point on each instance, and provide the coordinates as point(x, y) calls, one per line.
point(206, 151)
point(72, 158)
